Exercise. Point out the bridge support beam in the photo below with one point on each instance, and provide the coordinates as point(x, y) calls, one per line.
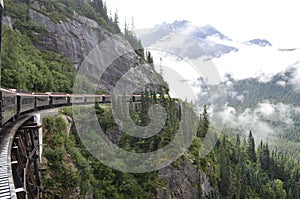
point(26, 153)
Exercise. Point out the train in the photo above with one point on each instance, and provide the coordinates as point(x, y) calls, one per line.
point(13, 104)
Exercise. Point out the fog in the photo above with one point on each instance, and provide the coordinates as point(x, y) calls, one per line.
point(258, 120)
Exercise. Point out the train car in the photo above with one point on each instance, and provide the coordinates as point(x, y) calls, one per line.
point(89, 99)
point(42, 101)
point(136, 98)
point(128, 98)
point(98, 98)
point(59, 100)
point(26, 102)
point(8, 106)
point(77, 99)
point(105, 99)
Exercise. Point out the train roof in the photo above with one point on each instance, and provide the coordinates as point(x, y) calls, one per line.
point(26, 94)
point(7, 90)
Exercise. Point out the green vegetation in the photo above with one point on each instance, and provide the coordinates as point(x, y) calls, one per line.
point(236, 169)
point(141, 118)
point(284, 100)
point(24, 67)
point(71, 170)
point(61, 10)
point(136, 43)
point(235, 173)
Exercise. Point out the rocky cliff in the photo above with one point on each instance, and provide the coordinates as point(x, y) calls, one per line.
point(75, 37)
point(183, 180)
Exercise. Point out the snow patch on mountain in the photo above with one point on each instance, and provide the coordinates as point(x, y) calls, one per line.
point(259, 42)
point(165, 32)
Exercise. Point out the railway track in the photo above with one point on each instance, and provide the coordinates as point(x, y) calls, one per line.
point(7, 187)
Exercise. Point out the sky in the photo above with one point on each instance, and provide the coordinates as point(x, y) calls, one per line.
point(241, 20)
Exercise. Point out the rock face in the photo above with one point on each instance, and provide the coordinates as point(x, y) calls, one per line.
point(183, 181)
point(77, 37)
point(74, 38)
point(9, 21)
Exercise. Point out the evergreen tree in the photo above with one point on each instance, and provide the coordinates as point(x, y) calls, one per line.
point(239, 186)
point(135, 43)
point(203, 124)
point(149, 58)
point(105, 16)
point(264, 156)
point(99, 8)
point(116, 23)
point(251, 148)
point(225, 173)
point(144, 109)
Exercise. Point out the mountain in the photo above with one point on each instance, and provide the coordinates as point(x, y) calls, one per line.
point(196, 32)
point(213, 42)
point(228, 55)
point(203, 36)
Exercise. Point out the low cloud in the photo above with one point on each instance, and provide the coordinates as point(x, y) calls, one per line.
point(259, 120)
point(281, 83)
point(266, 109)
point(295, 81)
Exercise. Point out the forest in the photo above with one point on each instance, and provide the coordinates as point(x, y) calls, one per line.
point(237, 167)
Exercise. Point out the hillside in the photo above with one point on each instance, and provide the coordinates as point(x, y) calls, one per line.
point(47, 42)
point(269, 107)
point(235, 168)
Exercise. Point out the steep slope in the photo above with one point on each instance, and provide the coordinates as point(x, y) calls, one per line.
point(73, 32)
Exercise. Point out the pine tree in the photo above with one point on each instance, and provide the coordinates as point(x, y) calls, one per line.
point(239, 185)
point(251, 148)
point(264, 156)
point(149, 58)
point(225, 173)
point(99, 7)
point(116, 23)
point(235, 191)
point(203, 124)
point(130, 36)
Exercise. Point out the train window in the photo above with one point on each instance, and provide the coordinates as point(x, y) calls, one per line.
point(9, 100)
point(60, 98)
point(27, 100)
point(42, 98)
